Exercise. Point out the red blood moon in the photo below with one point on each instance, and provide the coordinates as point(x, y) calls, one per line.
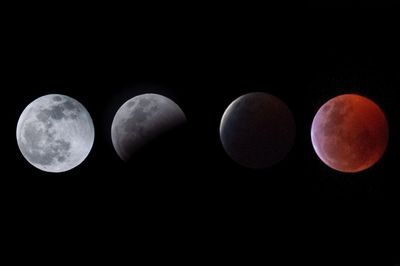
point(349, 133)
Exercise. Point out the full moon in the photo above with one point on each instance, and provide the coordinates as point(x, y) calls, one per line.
point(257, 130)
point(55, 133)
point(349, 133)
point(141, 119)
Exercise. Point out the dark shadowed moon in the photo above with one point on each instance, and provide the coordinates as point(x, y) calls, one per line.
point(349, 133)
point(257, 130)
point(55, 133)
point(142, 119)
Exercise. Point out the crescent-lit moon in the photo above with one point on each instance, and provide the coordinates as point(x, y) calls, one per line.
point(257, 130)
point(141, 119)
point(55, 133)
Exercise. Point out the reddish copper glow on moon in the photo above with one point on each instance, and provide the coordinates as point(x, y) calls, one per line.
point(350, 133)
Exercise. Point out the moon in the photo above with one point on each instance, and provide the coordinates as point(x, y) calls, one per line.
point(350, 133)
point(257, 130)
point(141, 119)
point(55, 133)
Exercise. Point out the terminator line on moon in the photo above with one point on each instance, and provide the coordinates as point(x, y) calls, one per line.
point(141, 119)
point(55, 133)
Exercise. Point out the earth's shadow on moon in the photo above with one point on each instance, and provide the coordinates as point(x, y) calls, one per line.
point(167, 151)
point(160, 167)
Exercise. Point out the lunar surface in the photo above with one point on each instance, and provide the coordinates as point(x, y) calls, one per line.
point(257, 130)
point(55, 133)
point(142, 119)
point(349, 133)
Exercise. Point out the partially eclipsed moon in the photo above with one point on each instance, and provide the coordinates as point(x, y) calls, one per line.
point(349, 133)
point(55, 133)
point(141, 119)
point(257, 130)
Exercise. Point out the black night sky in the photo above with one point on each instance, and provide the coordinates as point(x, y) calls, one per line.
point(203, 68)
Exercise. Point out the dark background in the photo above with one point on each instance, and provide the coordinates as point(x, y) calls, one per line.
point(304, 58)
